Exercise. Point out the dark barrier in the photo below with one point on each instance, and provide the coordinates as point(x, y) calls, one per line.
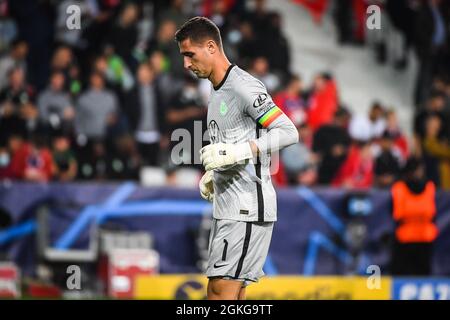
point(312, 235)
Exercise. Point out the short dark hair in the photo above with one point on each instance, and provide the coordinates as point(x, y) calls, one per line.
point(342, 112)
point(437, 95)
point(293, 77)
point(199, 29)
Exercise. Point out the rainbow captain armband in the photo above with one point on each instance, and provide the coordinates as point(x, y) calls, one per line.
point(268, 117)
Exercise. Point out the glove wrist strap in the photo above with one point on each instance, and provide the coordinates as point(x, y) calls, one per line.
point(243, 152)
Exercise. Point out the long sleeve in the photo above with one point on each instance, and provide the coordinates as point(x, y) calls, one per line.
point(280, 131)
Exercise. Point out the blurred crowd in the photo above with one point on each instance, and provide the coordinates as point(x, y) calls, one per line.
point(420, 27)
point(103, 101)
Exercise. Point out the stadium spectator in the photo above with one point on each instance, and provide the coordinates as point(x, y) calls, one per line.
point(30, 116)
point(367, 127)
point(62, 59)
point(33, 161)
point(247, 47)
point(163, 42)
point(291, 101)
point(323, 101)
point(435, 105)
point(66, 165)
point(124, 161)
point(436, 153)
point(330, 144)
point(96, 110)
point(441, 86)
point(116, 73)
point(218, 15)
point(16, 58)
point(167, 85)
point(146, 115)
point(17, 91)
point(15, 140)
point(357, 170)
point(260, 69)
point(17, 112)
point(55, 106)
point(74, 84)
point(400, 140)
point(387, 161)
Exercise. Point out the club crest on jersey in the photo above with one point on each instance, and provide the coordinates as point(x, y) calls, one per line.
point(213, 129)
point(223, 108)
point(260, 100)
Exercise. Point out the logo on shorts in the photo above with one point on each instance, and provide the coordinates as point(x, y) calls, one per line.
point(219, 265)
point(260, 100)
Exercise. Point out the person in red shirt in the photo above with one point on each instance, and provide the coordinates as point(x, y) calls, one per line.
point(33, 161)
point(291, 102)
point(357, 169)
point(323, 101)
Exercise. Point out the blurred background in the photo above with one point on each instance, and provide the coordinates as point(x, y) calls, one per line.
point(95, 203)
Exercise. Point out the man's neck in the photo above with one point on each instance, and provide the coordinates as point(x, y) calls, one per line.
point(219, 71)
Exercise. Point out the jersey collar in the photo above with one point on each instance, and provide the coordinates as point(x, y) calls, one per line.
point(225, 77)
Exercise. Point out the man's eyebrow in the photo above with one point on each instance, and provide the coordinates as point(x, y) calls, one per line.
point(187, 53)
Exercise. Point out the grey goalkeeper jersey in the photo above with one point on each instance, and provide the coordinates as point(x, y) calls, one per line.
point(241, 110)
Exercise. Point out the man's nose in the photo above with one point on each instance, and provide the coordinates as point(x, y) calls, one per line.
point(187, 62)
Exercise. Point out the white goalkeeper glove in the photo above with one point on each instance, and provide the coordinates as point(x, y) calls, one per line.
point(206, 186)
point(218, 155)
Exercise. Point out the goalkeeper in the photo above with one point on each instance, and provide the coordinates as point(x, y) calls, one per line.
point(244, 127)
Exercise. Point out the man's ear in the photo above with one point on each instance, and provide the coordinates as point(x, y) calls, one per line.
point(211, 46)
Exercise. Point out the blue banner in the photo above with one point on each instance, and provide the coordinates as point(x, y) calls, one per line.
point(310, 236)
point(420, 289)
